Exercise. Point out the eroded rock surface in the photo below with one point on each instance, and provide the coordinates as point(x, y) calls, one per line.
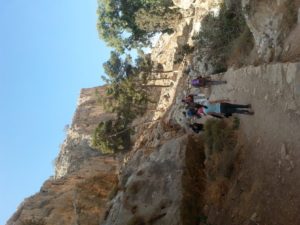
point(83, 177)
point(270, 23)
point(76, 148)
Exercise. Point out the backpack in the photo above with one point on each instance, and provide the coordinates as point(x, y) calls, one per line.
point(191, 112)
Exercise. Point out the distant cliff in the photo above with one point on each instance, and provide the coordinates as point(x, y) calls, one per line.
point(77, 194)
point(76, 149)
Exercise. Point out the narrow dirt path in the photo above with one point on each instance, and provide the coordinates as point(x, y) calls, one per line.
point(266, 189)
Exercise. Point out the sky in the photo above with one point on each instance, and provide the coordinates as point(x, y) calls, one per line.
point(49, 50)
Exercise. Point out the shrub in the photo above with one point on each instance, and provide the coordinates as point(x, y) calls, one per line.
point(182, 52)
point(111, 136)
point(220, 142)
point(216, 190)
point(157, 19)
point(217, 34)
point(218, 136)
point(236, 123)
point(241, 49)
point(221, 155)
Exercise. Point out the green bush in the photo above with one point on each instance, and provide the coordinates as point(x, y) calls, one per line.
point(111, 137)
point(218, 136)
point(220, 140)
point(182, 52)
point(218, 33)
point(240, 49)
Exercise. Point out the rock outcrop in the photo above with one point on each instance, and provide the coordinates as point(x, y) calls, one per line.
point(160, 180)
point(76, 148)
point(79, 198)
point(83, 179)
point(270, 23)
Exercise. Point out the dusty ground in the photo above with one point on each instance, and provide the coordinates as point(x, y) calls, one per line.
point(266, 186)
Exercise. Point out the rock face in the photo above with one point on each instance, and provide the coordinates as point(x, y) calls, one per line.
point(270, 23)
point(157, 182)
point(76, 148)
point(151, 187)
point(161, 180)
point(83, 177)
point(79, 198)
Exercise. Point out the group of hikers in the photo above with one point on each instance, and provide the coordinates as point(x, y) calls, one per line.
point(197, 105)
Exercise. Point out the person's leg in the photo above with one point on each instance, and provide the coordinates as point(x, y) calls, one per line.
point(216, 82)
point(236, 106)
point(228, 108)
point(243, 111)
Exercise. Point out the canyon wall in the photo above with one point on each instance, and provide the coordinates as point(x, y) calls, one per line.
point(161, 180)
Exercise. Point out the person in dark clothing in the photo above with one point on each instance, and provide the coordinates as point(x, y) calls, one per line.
point(229, 109)
point(204, 81)
point(223, 108)
point(197, 127)
point(192, 112)
point(195, 98)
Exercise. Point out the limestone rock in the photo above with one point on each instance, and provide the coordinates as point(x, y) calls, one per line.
point(76, 148)
point(184, 4)
point(79, 198)
point(269, 25)
point(83, 179)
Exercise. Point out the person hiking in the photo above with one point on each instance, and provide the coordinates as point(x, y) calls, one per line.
point(195, 98)
point(205, 81)
point(222, 108)
point(193, 112)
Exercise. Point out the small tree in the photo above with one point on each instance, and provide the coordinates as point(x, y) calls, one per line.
point(127, 94)
point(117, 24)
point(218, 33)
point(157, 19)
point(111, 136)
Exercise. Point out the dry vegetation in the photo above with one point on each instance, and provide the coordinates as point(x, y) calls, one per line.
point(210, 161)
point(193, 181)
point(220, 153)
point(224, 39)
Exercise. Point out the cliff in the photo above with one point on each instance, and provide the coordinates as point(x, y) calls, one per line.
point(83, 179)
point(166, 177)
point(76, 149)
